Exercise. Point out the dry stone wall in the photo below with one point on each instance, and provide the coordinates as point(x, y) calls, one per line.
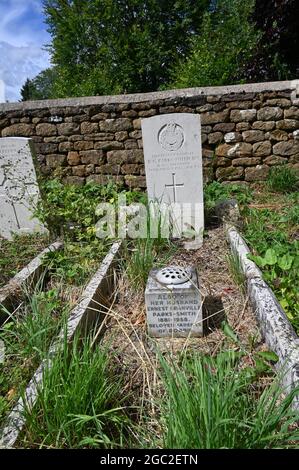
point(246, 129)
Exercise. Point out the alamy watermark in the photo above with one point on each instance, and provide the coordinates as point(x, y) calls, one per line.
point(2, 351)
point(154, 220)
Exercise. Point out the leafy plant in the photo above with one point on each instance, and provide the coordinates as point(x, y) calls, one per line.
point(216, 192)
point(280, 267)
point(145, 253)
point(272, 236)
point(70, 212)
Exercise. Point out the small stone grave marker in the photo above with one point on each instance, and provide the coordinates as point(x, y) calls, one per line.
point(173, 303)
point(173, 166)
point(19, 191)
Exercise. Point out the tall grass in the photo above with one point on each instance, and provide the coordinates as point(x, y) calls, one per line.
point(80, 403)
point(28, 333)
point(283, 179)
point(236, 271)
point(142, 254)
point(210, 404)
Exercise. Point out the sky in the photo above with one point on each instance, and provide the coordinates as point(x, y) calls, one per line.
point(22, 37)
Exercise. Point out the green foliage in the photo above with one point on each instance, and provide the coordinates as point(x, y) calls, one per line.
point(142, 254)
point(81, 402)
point(27, 336)
point(213, 403)
point(236, 271)
point(283, 179)
point(40, 87)
point(280, 266)
point(16, 253)
point(274, 59)
point(69, 211)
point(222, 48)
point(216, 192)
point(105, 47)
point(270, 234)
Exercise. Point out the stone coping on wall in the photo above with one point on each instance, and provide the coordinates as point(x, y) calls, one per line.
point(157, 95)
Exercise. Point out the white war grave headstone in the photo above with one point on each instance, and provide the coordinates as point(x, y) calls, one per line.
point(173, 167)
point(19, 191)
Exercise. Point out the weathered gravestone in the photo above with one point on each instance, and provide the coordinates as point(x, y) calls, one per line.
point(173, 167)
point(173, 303)
point(19, 191)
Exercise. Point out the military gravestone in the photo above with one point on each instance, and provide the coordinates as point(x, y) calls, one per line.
point(19, 191)
point(173, 167)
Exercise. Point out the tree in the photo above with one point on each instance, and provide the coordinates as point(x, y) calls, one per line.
point(276, 56)
point(26, 90)
point(221, 51)
point(40, 87)
point(105, 46)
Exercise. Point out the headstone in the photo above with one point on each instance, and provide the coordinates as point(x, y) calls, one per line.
point(173, 166)
point(19, 191)
point(173, 303)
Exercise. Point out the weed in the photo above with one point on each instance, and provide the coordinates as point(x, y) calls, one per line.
point(80, 402)
point(275, 251)
point(282, 179)
point(215, 192)
point(27, 336)
point(235, 267)
point(141, 256)
point(16, 253)
point(210, 403)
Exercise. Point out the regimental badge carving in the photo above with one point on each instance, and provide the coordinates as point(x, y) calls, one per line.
point(171, 136)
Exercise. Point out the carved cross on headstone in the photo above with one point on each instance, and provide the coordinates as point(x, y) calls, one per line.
point(174, 186)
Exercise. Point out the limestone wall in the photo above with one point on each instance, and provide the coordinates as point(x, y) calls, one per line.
point(245, 130)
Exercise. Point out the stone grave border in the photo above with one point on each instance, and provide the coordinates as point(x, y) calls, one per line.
point(28, 276)
point(275, 327)
point(86, 313)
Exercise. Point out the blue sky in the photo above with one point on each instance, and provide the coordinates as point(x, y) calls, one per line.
point(22, 37)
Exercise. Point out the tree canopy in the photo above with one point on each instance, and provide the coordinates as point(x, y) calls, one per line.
point(103, 47)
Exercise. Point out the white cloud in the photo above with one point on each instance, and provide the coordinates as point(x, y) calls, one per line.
point(22, 37)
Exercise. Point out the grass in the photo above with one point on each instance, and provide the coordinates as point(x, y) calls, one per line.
point(283, 179)
point(211, 404)
point(235, 268)
point(16, 253)
point(27, 335)
point(145, 254)
point(81, 402)
point(142, 254)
